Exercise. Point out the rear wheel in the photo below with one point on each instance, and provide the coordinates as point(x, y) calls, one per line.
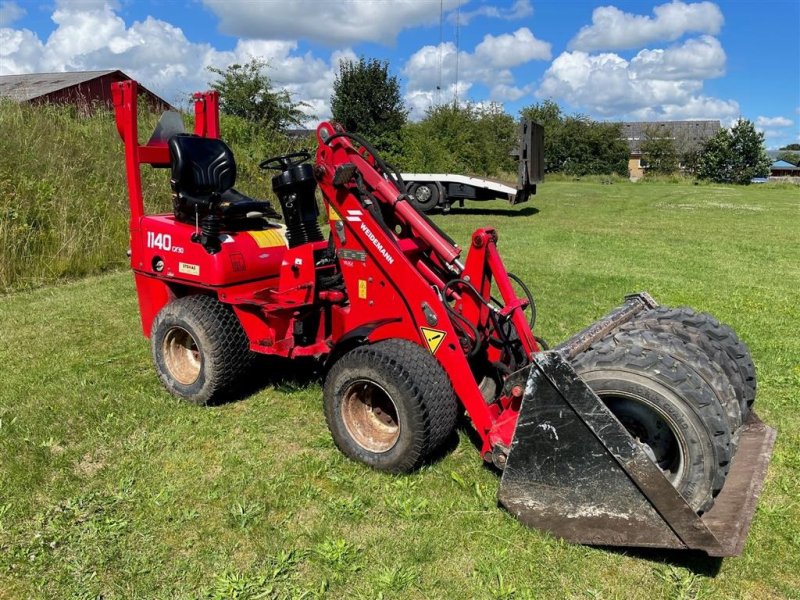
point(663, 405)
point(389, 405)
point(424, 196)
point(199, 349)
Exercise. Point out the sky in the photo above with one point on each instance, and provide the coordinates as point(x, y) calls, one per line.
point(623, 60)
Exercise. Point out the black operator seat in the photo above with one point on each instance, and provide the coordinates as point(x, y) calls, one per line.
point(203, 176)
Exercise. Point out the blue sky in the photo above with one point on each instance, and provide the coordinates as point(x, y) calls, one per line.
point(621, 60)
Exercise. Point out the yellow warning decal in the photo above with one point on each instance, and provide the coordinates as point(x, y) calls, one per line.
point(332, 214)
point(269, 238)
point(362, 289)
point(433, 337)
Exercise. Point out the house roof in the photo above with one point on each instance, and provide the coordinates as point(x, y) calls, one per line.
point(33, 85)
point(688, 135)
point(784, 165)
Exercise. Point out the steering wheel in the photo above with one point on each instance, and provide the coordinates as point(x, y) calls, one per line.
point(285, 162)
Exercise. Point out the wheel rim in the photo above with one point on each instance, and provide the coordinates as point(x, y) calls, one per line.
point(182, 356)
point(370, 416)
point(654, 431)
point(422, 194)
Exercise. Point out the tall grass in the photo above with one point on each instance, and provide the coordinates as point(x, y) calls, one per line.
point(63, 202)
point(63, 195)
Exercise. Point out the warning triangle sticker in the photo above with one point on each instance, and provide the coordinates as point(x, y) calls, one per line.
point(433, 337)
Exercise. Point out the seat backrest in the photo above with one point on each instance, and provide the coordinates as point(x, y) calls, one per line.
point(200, 165)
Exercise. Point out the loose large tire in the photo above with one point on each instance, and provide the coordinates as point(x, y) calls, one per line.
point(693, 357)
point(718, 341)
point(199, 348)
point(424, 196)
point(389, 405)
point(665, 406)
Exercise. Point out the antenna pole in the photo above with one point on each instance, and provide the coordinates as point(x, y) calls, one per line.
point(458, 29)
point(441, 50)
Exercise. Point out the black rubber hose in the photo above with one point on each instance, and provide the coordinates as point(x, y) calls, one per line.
point(388, 169)
point(529, 296)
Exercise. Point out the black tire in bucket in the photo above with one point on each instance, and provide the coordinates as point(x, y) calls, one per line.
point(668, 408)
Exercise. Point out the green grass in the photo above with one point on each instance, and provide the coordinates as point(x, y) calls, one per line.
point(63, 195)
point(109, 487)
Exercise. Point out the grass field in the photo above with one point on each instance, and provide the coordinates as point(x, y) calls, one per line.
point(110, 488)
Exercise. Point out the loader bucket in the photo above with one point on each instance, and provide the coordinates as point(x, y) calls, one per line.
point(575, 471)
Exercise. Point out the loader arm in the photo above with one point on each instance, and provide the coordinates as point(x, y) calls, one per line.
point(449, 308)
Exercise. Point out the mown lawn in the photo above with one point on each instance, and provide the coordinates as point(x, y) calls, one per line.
point(110, 488)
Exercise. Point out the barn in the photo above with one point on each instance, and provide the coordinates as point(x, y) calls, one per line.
point(85, 89)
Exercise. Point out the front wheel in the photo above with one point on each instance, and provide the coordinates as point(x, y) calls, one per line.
point(389, 405)
point(199, 349)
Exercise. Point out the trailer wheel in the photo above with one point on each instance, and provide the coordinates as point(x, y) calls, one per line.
point(424, 196)
point(389, 405)
point(199, 349)
point(716, 339)
point(661, 403)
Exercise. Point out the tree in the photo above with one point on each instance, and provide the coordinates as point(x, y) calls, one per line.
point(578, 145)
point(246, 91)
point(548, 114)
point(790, 153)
point(734, 155)
point(593, 147)
point(366, 100)
point(474, 139)
point(659, 153)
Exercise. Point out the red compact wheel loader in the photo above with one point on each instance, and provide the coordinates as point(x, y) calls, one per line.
point(637, 431)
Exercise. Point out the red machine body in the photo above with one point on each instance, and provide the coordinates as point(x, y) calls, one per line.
point(395, 273)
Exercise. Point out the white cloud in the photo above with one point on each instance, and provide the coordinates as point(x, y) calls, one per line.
point(695, 107)
point(612, 29)
point(89, 35)
point(490, 64)
point(10, 12)
point(773, 122)
point(701, 58)
point(333, 23)
point(21, 51)
point(519, 10)
point(510, 93)
point(511, 49)
point(419, 101)
point(654, 84)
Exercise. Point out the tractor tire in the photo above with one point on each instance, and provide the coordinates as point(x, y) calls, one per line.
point(424, 196)
point(718, 340)
point(389, 405)
point(668, 409)
point(199, 348)
point(693, 358)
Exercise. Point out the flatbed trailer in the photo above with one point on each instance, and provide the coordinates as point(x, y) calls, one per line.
point(439, 191)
